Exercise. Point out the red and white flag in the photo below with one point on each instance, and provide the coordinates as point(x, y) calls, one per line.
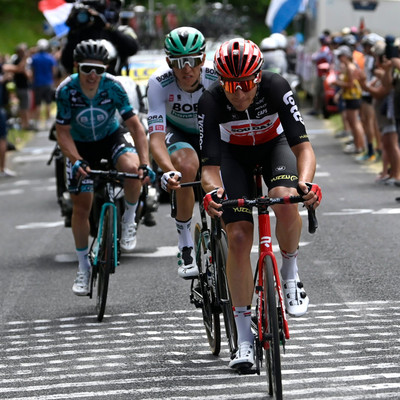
point(56, 13)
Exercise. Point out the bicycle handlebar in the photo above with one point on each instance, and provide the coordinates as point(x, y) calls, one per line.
point(173, 195)
point(113, 174)
point(263, 202)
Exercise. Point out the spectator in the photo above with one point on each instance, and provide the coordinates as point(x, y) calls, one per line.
point(44, 69)
point(4, 172)
point(101, 23)
point(381, 88)
point(351, 93)
point(337, 41)
point(22, 78)
point(367, 110)
point(322, 60)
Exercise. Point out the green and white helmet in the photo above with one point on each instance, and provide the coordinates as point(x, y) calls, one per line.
point(184, 41)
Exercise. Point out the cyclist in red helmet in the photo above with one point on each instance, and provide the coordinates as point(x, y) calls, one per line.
point(250, 118)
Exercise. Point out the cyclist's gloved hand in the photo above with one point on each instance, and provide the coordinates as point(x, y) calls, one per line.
point(212, 196)
point(148, 172)
point(169, 175)
point(311, 192)
point(79, 164)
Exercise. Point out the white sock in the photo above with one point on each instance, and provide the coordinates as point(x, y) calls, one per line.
point(83, 258)
point(289, 265)
point(130, 212)
point(184, 234)
point(243, 324)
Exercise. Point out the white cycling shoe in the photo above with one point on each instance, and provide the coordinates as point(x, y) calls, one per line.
point(296, 299)
point(188, 268)
point(81, 283)
point(128, 237)
point(244, 358)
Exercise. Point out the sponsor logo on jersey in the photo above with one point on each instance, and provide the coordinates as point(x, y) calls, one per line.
point(155, 119)
point(89, 118)
point(168, 76)
point(289, 100)
point(200, 119)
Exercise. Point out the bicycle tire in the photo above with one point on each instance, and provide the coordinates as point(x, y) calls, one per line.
point(105, 262)
point(221, 255)
point(209, 310)
point(271, 334)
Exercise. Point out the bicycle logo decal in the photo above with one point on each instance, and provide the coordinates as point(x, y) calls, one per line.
point(266, 241)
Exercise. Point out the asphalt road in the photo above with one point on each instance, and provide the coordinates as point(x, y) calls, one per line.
point(151, 344)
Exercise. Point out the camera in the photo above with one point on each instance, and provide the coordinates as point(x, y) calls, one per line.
point(391, 49)
point(81, 17)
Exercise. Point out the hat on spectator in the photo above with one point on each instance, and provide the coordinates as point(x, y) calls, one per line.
point(42, 44)
point(344, 51)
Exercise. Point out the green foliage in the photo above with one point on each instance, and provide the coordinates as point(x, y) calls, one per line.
point(20, 21)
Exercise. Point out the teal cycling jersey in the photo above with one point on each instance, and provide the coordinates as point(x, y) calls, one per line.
point(92, 119)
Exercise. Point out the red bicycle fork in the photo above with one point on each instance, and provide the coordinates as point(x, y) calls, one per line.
point(265, 250)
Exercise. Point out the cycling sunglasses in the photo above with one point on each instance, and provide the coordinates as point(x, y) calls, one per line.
point(246, 86)
point(87, 68)
point(192, 61)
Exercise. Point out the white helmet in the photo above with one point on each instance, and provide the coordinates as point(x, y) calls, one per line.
point(268, 44)
point(280, 39)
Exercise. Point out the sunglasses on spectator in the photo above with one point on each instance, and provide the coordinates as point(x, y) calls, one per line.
point(245, 86)
point(192, 61)
point(87, 68)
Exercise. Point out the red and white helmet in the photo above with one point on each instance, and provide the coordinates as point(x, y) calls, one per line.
point(238, 58)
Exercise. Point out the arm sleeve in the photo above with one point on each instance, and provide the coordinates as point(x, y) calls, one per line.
point(156, 117)
point(210, 139)
point(63, 116)
point(122, 101)
point(293, 125)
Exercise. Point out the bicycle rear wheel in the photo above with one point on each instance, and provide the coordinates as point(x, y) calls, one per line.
point(105, 262)
point(221, 255)
point(271, 335)
point(209, 308)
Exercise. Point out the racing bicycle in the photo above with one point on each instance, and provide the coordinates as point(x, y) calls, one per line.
point(209, 291)
point(269, 321)
point(105, 223)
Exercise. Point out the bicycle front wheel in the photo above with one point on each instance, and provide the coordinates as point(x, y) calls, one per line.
point(105, 262)
point(271, 336)
point(208, 305)
point(221, 255)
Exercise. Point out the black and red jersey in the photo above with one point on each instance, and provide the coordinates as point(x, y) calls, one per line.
point(274, 112)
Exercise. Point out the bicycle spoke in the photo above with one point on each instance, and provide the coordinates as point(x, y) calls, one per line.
point(271, 334)
point(105, 262)
point(209, 308)
point(224, 295)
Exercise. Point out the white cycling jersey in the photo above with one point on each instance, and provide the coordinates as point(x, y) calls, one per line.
point(168, 104)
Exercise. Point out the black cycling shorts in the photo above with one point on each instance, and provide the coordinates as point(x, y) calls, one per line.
point(279, 168)
point(176, 139)
point(110, 148)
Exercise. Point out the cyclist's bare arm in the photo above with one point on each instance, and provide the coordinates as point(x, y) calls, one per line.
point(306, 165)
point(160, 154)
point(66, 142)
point(139, 136)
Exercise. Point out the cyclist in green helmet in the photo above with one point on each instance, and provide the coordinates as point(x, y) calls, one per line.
point(173, 93)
